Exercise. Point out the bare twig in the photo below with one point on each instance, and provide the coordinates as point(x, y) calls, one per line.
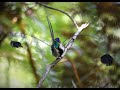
point(32, 63)
point(76, 73)
point(74, 85)
point(60, 11)
point(67, 46)
point(30, 55)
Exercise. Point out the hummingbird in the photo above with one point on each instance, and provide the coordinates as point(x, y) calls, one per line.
point(57, 48)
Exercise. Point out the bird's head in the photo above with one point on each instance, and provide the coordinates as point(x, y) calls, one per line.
point(57, 39)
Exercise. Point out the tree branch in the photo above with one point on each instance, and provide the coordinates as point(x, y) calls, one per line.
point(67, 46)
point(32, 63)
point(59, 11)
point(29, 54)
point(76, 74)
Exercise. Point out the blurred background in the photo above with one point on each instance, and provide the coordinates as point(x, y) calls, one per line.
point(81, 67)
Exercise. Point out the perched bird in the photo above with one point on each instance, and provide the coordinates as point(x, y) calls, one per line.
point(107, 59)
point(56, 47)
point(15, 44)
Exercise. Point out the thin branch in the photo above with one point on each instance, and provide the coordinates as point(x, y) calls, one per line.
point(67, 47)
point(59, 11)
point(74, 85)
point(29, 54)
point(76, 73)
point(32, 62)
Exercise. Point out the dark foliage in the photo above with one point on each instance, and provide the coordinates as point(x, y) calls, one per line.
point(107, 59)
